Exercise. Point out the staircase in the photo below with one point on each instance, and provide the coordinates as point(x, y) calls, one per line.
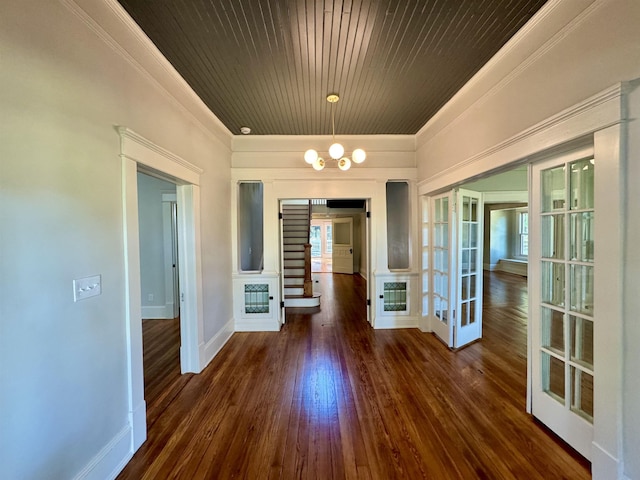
point(298, 287)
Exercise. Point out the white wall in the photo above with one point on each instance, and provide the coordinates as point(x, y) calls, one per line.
point(570, 52)
point(64, 84)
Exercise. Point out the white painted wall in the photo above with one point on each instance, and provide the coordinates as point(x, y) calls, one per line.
point(65, 83)
point(570, 51)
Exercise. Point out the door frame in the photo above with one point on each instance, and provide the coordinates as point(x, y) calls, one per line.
point(140, 154)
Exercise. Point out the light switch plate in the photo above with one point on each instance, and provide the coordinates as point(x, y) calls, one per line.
point(87, 287)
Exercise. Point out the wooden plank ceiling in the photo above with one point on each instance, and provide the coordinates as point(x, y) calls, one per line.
point(269, 64)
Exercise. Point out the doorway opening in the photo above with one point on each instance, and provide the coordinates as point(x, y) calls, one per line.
point(338, 235)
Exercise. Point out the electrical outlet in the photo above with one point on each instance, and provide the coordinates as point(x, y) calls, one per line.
point(87, 287)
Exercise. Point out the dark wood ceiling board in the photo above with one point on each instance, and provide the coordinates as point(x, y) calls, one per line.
point(269, 64)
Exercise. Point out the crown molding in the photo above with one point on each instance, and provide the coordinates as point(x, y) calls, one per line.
point(189, 104)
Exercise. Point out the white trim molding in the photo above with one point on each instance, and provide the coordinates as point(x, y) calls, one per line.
point(595, 113)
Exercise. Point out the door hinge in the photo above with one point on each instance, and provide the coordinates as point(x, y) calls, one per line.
point(368, 214)
point(281, 304)
point(368, 302)
point(279, 215)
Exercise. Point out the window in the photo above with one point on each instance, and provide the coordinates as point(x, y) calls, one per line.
point(398, 225)
point(250, 220)
point(523, 234)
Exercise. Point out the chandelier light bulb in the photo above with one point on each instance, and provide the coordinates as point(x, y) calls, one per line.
point(318, 164)
point(344, 164)
point(310, 156)
point(336, 151)
point(358, 155)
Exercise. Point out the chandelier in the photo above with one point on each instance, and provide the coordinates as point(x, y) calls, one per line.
point(336, 150)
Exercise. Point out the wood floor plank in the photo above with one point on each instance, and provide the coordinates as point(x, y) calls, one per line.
point(328, 397)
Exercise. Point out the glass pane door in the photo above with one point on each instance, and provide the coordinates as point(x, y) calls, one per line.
point(441, 311)
point(563, 343)
point(469, 298)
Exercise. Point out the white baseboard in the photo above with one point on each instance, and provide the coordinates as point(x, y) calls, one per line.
point(138, 419)
point(109, 461)
point(209, 350)
point(259, 325)
point(395, 322)
point(157, 312)
point(603, 465)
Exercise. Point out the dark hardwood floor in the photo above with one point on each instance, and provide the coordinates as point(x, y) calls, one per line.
point(328, 397)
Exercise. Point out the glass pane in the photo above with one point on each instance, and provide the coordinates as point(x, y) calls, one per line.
point(250, 220)
point(315, 239)
point(553, 283)
point(472, 285)
point(395, 296)
point(465, 235)
point(473, 261)
point(582, 393)
point(581, 341)
point(581, 240)
point(256, 298)
point(342, 233)
point(425, 260)
point(553, 377)
point(553, 189)
point(581, 293)
point(581, 184)
point(425, 285)
point(466, 214)
point(473, 235)
point(464, 314)
point(465, 288)
point(474, 209)
point(552, 330)
point(553, 236)
point(329, 239)
point(472, 311)
point(398, 225)
point(465, 262)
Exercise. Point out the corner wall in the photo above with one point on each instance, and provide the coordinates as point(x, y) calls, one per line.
point(70, 73)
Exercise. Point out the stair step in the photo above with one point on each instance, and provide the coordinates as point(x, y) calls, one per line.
point(293, 291)
point(294, 247)
point(299, 301)
point(294, 241)
point(295, 234)
point(294, 263)
point(294, 255)
point(294, 282)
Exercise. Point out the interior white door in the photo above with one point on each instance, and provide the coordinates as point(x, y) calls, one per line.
point(469, 227)
point(441, 312)
point(342, 245)
point(561, 295)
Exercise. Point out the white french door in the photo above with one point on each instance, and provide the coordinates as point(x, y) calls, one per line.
point(441, 231)
point(342, 249)
point(468, 317)
point(562, 297)
point(456, 267)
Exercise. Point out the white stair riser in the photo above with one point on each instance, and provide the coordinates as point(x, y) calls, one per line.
point(302, 302)
point(294, 271)
point(293, 291)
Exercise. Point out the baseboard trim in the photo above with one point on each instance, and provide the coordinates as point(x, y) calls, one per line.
point(262, 325)
point(604, 466)
point(209, 350)
point(109, 461)
point(396, 322)
point(157, 312)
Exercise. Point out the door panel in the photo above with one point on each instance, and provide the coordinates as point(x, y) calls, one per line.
point(343, 245)
point(441, 311)
point(468, 319)
point(562, 306)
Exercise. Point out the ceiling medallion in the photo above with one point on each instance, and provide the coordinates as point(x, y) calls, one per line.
point(336, 150)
